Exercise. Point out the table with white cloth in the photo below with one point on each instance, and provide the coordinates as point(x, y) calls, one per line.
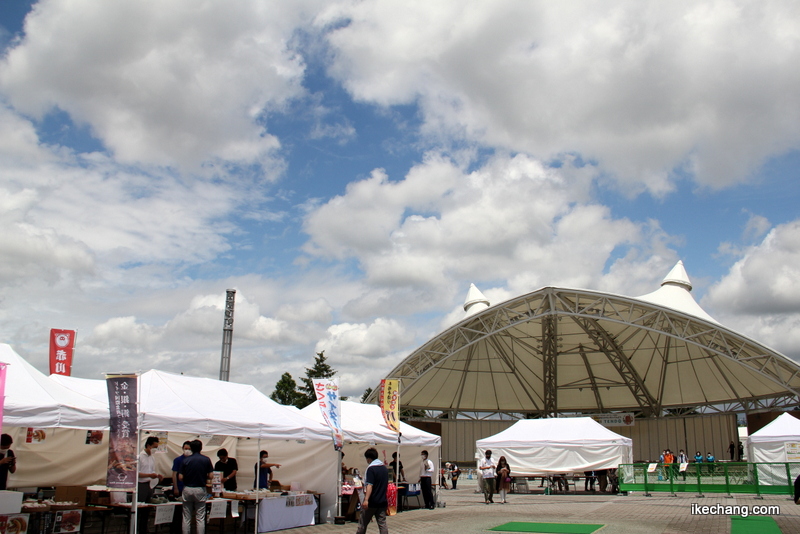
point(286, 511)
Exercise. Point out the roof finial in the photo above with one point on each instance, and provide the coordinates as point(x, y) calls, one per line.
point(677, 276)
point(475, 302)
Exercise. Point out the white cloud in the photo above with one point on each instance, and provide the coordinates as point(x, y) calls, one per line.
point(641, 87)
point(172, 84)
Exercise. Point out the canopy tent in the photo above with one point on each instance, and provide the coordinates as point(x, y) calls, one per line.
point(559, 350)
point(534, 446)
point(184, 405)
point(178, 403)
point(770, 443)
point(363, 427)
point(779, 441)
point(364, 423)
point(33, 400)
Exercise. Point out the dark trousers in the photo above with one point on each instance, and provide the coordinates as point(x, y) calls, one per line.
point(143, 514)
point(797, 489)
point(454, 478)
point(366, 516)
point(427, 492)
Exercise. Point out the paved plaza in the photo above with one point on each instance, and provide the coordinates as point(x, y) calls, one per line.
point(465, 512)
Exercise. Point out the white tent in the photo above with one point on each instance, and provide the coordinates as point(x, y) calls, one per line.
point(534, 446)
point(178, 403)
point(32, 400)
point(779, 441)
point(363, 427)
point(184, 405)
point(364, 423)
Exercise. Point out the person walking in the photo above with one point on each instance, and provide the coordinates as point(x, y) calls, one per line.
point(454, 474)
point(503, 478)
point(426, 471)
point(196, 474)
point(376, 478)
point(488, 467)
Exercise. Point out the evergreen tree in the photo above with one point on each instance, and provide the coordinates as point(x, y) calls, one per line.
point(285, 391)
point(366, 394)
point(320, 369)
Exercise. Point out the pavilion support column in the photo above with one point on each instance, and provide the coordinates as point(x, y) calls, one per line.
point(550, 364)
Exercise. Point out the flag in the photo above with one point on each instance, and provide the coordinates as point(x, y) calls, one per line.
point(62, 343)
point(389, 398)
point(123, 437)
point(327, 391)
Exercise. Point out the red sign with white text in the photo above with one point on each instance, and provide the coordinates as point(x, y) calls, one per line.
point(62, 342)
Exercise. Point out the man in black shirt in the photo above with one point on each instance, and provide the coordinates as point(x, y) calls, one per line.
point(8, 462)
point(375, 502)
point(195, 473)
point(229, 467)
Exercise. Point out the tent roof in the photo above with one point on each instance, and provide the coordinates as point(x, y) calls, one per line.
point(364, 423)
point(561, 350)
point(785, 427)
point(554, 432)
point(32, 400)
point(178, 403)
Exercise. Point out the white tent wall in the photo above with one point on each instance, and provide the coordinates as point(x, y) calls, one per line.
point(560, 459)
point(62, 459)
point(313, 465)
point(769, 445)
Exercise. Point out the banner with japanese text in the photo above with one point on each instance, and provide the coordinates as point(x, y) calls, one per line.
point(389, 400)
point(62, 343)
point(2, 391)
point(123, 435)
point(327, 391)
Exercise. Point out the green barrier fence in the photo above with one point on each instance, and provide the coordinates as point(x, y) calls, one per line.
point(721, 477)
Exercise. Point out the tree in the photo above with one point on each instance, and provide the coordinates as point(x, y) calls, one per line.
point(320, 369)
point(367, 393)
point(286, 391)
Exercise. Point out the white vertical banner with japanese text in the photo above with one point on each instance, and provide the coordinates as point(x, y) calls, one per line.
point(327, 391)
point(123, 436)
point(62, 345)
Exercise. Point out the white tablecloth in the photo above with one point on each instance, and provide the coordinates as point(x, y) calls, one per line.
point(275, 514)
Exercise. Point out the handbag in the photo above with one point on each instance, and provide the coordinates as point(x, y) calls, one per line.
point(508, 479)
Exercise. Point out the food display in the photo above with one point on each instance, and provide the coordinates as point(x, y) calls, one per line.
point(14, 523)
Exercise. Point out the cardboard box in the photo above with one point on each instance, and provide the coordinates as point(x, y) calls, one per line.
point(10, 502)
point(76, 494)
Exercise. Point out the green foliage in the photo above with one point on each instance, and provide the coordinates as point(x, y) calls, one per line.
point(320, 369)
point(286, 391)
point(366, 394)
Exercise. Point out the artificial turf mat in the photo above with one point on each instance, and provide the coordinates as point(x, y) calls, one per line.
point(754, 524)
point(550, 528)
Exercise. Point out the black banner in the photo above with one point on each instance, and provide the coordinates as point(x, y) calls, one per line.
point(122, 442)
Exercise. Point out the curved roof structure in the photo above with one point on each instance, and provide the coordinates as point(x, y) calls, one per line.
point(573, 350)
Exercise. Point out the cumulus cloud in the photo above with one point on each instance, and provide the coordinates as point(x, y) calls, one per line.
point(511, 219)
point(643, 88)
point(177, 84)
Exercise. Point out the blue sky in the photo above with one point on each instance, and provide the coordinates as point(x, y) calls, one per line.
point(351, 167)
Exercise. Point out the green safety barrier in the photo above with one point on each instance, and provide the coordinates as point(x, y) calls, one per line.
point(774, 478)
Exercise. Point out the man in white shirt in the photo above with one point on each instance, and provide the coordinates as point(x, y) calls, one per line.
point(487, 467)
point(148, 479)
point(425, 474)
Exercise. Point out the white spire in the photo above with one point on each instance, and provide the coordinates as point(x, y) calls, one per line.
point(675, 293)
point(475, 302)
point(677, 276)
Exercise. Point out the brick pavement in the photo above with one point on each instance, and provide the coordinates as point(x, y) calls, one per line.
point(466, 513)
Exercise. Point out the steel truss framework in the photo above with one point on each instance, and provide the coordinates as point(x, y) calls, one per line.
point(565, 350)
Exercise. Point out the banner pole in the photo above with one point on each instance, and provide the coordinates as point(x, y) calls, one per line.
point(258, 489)
point(135, 504)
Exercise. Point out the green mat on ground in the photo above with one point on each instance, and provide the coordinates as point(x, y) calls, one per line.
point(754, 524)
point(547, 528)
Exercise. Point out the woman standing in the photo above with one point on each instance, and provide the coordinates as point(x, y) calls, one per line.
point(503, 478)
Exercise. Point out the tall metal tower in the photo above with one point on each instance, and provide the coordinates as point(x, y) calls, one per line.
point(227, 336)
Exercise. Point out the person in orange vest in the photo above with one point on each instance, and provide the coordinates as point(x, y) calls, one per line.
point(669, 460)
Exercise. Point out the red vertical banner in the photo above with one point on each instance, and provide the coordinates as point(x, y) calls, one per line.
point(123, 412)
point(2, 392)
point(62, 342)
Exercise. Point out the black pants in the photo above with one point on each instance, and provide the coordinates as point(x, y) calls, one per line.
point(427, 493)
point(454, 478)
point(143, 514)
point(797, 489)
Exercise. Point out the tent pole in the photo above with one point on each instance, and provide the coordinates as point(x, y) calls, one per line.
point(340, 481)
point(135, 504)
point(258, 489)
